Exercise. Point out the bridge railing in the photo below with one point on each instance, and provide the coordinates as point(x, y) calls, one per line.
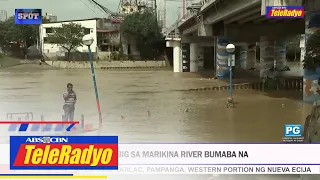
point(180, 21)
point(206, 3)
point(173, 36)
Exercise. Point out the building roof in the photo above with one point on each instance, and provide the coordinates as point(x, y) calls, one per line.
point(73, 20)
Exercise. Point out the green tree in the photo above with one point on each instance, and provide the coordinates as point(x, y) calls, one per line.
point(68, 36)
point(312, 57)
point(141, 24)
point(11, 32)
point(144, 27)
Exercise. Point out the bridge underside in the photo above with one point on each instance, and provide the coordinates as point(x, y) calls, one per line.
point(251, 32)
point(244, 24)
point(239, 22)
point(249, 25)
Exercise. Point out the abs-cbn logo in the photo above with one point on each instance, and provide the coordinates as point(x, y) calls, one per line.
point(47, 140)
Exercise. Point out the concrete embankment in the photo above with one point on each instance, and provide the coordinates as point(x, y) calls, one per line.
point(107, 64)
point(8, 62)
point(31, 67)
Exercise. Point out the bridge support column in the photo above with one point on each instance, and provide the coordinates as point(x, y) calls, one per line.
point(251, 56)
point(303, 48)
point(243, 52)
point(194, 57)
point(177, 63)
point(311, 76)
point(272, 56)
point(267, 52)
point(222, 55)
point(280, 55)
point(247, 56)
point(201, 58)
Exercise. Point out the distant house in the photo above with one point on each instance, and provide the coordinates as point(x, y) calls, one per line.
point(104, 32)
point(51, 50)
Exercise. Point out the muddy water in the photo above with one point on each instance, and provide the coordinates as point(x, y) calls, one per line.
point(146, 106)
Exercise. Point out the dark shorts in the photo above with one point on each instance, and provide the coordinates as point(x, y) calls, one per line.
point(68, 112)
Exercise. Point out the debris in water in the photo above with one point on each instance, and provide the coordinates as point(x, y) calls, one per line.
point(230, 102)
point(186, 110)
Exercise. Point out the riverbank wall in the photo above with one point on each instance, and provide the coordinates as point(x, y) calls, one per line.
point(8, 62)
point(106, 64)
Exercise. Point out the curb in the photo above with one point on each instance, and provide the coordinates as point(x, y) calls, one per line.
point(151, 67)
point(285, 84)
point(256, 86)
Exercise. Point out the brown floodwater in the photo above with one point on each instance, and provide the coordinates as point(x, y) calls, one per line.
point(150, 106)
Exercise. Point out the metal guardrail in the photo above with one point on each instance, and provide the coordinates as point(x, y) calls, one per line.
point(204, 4)
point(283, 84)
point(178, 23)
point(173, 27)
point(173, 36)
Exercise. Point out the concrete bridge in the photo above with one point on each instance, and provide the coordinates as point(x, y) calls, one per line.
point(242, 22)
point(200, 38)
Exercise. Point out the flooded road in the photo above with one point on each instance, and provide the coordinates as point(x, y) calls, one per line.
point(148, 106)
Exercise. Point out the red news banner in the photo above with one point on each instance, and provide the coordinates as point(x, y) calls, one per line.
point(63, 152)
point(285, 12)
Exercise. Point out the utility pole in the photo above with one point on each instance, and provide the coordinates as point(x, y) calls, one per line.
point(184, 4)
point(155, 8)
point(156, 13)
point(165, 16)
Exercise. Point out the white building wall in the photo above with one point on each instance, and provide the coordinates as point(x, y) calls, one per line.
point(55, 49)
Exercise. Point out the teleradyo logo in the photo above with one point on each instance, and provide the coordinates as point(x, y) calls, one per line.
point(47, 140)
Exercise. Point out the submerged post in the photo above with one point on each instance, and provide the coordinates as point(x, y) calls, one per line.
point(88, 40)
point(82, 122)
point(230, 49)
point(42, 120)
point(230, 69)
